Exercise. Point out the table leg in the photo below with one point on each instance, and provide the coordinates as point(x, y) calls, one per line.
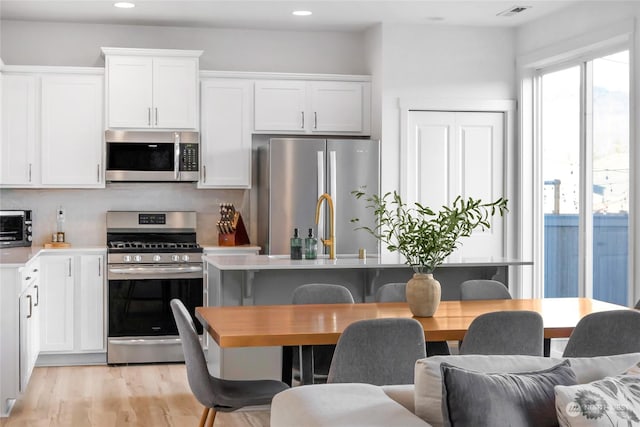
point(547, 347)
point(306, 364)
point(287, 361)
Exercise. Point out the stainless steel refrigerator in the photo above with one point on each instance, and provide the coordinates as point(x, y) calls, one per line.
point(294, 172)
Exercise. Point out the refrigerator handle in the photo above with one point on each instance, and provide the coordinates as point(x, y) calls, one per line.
point(320, 176)
point(333, 188)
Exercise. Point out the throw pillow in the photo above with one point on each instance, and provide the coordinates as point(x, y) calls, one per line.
point(475, 399)
point(611, 401)
point(428, 379)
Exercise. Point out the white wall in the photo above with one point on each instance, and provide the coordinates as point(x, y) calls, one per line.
point(375, 64)
point(439, 62)
point(563, 29)
point(42, 43)
point(85, 209)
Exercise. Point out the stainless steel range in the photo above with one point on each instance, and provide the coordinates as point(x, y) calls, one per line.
point(153, 257)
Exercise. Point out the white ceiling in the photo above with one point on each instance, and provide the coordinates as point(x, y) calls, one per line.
point(349, 15)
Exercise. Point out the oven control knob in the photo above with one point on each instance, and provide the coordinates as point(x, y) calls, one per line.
point(156, 258)
point(137, 258)
point(185, 258)
point(126, 258)
point(175, 258)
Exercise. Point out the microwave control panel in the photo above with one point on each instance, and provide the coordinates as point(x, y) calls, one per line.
point(189, 158)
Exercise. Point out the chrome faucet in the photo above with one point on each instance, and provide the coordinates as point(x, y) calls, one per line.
point(331, 241)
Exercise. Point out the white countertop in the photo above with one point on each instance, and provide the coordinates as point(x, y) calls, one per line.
point(283, 262)
point(18, 257)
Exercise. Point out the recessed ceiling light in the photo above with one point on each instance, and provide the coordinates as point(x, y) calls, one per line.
point(124, 5)
point(302, 12)
point(435, 18)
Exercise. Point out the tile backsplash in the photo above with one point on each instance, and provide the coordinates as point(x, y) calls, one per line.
point(85, 209)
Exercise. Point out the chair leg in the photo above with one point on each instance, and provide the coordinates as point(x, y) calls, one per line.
point(203, 417)
point(212, 417)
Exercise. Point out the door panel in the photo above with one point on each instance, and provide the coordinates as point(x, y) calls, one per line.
point(357, 165)
point(293, 184)
point(452, 154)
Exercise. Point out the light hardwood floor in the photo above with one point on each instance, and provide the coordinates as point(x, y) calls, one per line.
point(110, 396)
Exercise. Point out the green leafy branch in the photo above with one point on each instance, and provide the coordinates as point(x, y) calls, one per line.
point(425, 238)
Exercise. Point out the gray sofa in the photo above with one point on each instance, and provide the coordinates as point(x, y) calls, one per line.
point(419, 404)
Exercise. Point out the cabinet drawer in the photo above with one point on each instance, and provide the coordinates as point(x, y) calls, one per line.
point(30, 274)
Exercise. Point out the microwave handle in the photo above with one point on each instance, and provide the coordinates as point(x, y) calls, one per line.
point(176, 160)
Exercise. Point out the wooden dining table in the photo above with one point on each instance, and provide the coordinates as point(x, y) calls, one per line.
point(302, 326)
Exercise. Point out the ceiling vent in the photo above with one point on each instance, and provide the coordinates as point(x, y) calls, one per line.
point(513, 11)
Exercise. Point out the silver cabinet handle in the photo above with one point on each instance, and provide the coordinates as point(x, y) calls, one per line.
point(69, 267)
point(99, 267)
point(204, 173)
point(29, 172)
point(176, 155)
point(302, 127)
point(156, 116)
point(98, 172)
point(149, 116)
point(315, 120)
point(30, 307)
point(37, 295)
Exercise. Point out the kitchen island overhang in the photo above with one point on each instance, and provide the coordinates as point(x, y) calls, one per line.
point(228, 274)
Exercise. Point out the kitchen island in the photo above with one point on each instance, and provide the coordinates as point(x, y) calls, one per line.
point(234, 280)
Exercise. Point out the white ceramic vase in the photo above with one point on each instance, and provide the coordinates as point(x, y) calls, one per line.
point(423, 294)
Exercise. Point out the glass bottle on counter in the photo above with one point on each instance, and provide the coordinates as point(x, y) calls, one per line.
point(310, 246)
point(296, 245)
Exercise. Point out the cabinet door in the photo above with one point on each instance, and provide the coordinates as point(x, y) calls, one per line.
point(129, 91)
point(72, 130)
point(28, 332)
point(226, 133)
point(175, 93)
point(337, 106)
point(57, 303)
point(91, 303)
point(18, 142)
point(280, 106)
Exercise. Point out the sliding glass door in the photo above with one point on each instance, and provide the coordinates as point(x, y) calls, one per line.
point(584, 132)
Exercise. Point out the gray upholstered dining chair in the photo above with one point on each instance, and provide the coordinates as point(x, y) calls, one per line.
point(637, 306)
point(378, 351)
point(483, 289)
point(217, 395)
point(505, 332)
point(392, 292)
point(320, 293)
point(604, 334)
point(397, 292)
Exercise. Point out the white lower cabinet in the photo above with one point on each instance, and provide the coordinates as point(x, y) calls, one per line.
point(73, 303)
point(29, 313)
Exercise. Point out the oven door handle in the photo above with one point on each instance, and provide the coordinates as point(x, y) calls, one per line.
point(155, 270)
point(134, 342)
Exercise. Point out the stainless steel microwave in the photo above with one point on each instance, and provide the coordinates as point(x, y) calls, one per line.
point(152, 156)
point(16, 229)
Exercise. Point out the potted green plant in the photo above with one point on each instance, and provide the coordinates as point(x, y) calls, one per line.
point(425, 237)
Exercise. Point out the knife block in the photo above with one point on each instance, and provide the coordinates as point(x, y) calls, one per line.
point(238, 236)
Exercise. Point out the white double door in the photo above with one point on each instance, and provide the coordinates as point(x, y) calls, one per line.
point(452, 154)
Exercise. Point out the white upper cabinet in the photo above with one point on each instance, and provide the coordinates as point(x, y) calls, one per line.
point(299, 106)
point(52, 127)
point(338, 106)
point(18, 165)
point(225, 139)
point(129, 91)
point(72, 130)
point(152, 88)
point(280, 105)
